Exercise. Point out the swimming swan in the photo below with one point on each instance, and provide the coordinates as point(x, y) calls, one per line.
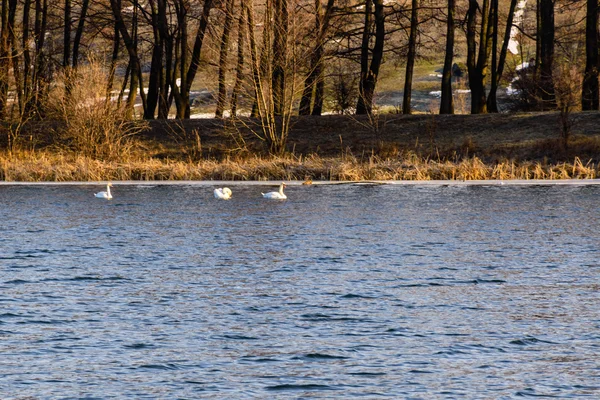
point(223, 193)
point(276, 195)
point(105, 195)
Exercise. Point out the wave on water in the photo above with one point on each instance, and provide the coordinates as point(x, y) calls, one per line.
point(321, 356)
point(300, 387)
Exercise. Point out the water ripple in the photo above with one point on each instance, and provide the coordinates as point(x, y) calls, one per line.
point(343, 291)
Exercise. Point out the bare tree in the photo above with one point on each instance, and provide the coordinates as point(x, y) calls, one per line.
point(167, 78)
point(67, 34)
point(478, 58)
point(40, 76)
point(188, 78)
point(130, 40)
point(14, 57)
point(590, 91)
point(4, 59)
point(410, 58)
point(223, 53)
point(156, 65)
point(79, 32)
point(498, 68)
point(273, 103)
point(447, 103)
point(546, 40)
point(239, 69)
point(369, 72)
point(493, 23)
point(314, 82)
point(280, 38)
point(26, 53)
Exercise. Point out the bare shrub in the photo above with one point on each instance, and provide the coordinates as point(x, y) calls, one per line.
point(15, 140)
point(525, 94)
point(92, 125)
point(344, 89)
point(567, 84)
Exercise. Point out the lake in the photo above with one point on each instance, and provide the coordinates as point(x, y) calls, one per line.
point(424, 291)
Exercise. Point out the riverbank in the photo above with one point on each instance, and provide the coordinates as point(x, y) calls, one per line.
point(389, 147)
point(43, 167)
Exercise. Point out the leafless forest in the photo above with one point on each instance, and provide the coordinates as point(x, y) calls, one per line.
point(274, 59)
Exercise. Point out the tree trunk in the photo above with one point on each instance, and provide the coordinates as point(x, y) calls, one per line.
point(547, 52)
point(166, 77)
point(223, 53)
point(307, 93)
point(319, 88)
point(67, 34)
point(113, 64)
point(369, 75)
point(12, 39)
point(320, 67)
point(410, 59)
point(195, 59)
point(124, 84)
point(478, 70)
point(239, 69)
point(79, 32)
point(361, 107)
point(174, 94)
point(265, 67)
point(182, 93)
point(4, 59)
point(471, 50)
point(447, 102)
point(589, 92)
point(26, 54)
point(483, 56)
point(135, 80)
point(133, 86)
point(314, 82)
point(130, 44)
point(156, 71)
point(492, 103)
point(256, 74)
point(538, 42)
point(38, 80)
point(41, 75)
point(280, 36)
point(311, 78)
point(156, 66)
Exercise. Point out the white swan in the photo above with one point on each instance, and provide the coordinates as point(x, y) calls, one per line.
point(222, 193)
point(276, 195)
point(105, 195)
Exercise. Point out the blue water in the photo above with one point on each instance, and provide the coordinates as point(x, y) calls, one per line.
point(342, 291)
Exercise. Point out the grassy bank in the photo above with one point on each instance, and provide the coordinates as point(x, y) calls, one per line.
point(43, 166)
point(392, 147)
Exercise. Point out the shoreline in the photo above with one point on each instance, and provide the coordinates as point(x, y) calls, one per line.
point(323, 170)
point(330, 148)
point(49, 167)
point(489, 182)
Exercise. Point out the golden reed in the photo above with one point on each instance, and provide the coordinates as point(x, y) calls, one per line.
point(45, 166)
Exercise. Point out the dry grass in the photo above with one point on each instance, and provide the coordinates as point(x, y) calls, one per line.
point(392, 147)
point(90, 124)
point(52, 167)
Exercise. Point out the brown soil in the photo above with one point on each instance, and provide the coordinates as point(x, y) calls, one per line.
point(492, 137)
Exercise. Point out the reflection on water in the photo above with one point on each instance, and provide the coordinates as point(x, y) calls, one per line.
point(341, 291)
